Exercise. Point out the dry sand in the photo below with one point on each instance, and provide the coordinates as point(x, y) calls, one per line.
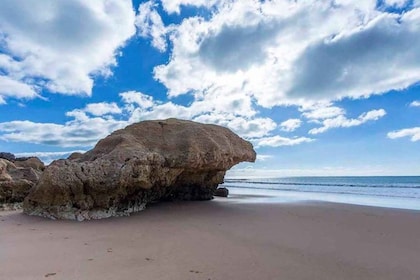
point(217, 240)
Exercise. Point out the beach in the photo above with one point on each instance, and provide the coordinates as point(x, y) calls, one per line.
point(217, 239)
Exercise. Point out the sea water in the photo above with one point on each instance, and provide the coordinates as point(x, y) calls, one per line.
point(385, 191)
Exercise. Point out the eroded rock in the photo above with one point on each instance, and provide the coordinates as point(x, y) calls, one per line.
point(145, 162)
point(17, 178)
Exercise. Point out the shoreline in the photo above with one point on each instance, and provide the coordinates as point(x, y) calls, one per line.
point(217, 239)
point(256, 195)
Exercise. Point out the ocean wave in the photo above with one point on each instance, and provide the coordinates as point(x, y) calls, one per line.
point(396, 195)
point(349, 185)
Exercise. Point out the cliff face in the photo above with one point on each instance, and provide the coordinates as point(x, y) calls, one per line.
point(145, 162)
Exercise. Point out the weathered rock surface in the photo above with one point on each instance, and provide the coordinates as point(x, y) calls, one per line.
point(17, 177)
point(143, 163)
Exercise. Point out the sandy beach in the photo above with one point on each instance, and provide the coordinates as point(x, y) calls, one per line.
point(217, 240)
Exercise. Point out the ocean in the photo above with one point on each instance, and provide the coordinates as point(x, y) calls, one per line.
point(384, 191)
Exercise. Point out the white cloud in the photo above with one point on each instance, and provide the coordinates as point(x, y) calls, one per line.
point(412, 133)
point(161, 111)
point(290, 125)
point(248, 128)
point(397, 3)
point(94, 122)
point(351, 69)
point(234, 111)
point(415, 103)
point(97, 110)
point(372, 115)
point(61, 45)
point(173, 6)
point(149, 24)
point(322, 111)
point(80, 132)
point(102, 108)
point(301, 51)
point(278, 141)
point(264, 157)
point(342, 121)
point(142, 100)
point(13, 88)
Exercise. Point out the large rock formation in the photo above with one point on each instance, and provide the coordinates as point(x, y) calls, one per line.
point(17, 177)
point(145, 162)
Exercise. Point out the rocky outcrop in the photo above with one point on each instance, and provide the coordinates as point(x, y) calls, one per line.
point(17, 177)
point(30, 162)
point(75, 155)
point(8, 156)
point(143, 163)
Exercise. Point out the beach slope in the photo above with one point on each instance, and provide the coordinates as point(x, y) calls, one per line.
point(217, 240)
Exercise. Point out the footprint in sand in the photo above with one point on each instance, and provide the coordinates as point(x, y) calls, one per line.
point(50, 274)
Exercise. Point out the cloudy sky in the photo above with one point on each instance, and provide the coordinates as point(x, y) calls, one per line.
point(319, 87)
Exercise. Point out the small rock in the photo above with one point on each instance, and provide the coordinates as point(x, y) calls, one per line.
point(222, 192)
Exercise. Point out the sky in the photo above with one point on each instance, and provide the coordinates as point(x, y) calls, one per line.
point(320, 88)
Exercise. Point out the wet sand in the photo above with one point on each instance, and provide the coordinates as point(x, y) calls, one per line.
point(217, 240)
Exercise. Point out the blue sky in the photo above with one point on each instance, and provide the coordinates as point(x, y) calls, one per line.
point(319, 87)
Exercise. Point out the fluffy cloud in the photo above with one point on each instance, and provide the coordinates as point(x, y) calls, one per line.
point(397, 3)
point(290, 125)
point(301, 51)
point(173, 6)
point(13, 88)
point(412, 133)
point(97, 120)
point(234, 111)
point(361, 62)
point(97, 109)
point(322, 111)
point(264, 157)
point(415, 103)
point(278, 141)
point(60, 45)
point(149, 25)
point(342, 121)
point(142, 100)
point(80, 132)
point(248, 128)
